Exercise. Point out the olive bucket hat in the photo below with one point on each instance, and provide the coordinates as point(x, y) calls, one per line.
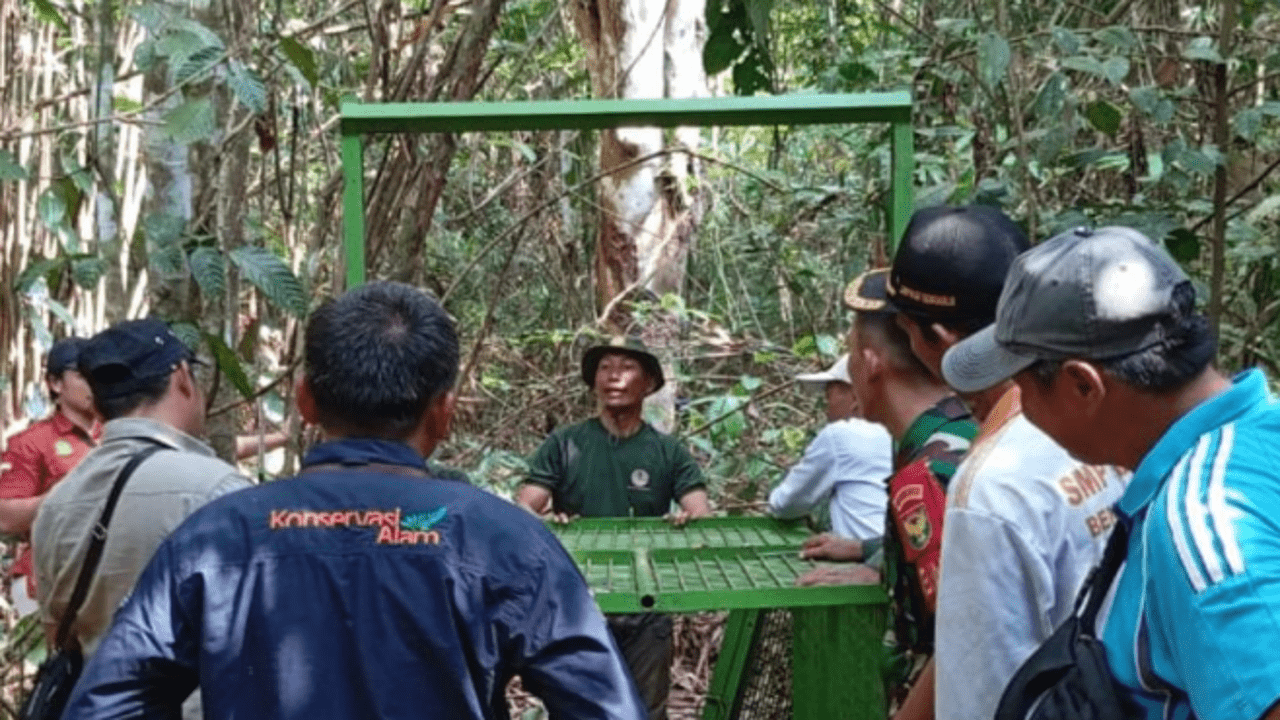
point(627, 345)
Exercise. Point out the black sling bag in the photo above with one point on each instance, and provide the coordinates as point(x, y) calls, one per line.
point(1068, 677)
point(57, 675)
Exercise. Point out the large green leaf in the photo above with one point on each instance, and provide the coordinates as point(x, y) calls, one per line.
point(189, 334)
point(60, 311)
point(1066, 40)
point(1247, 123)
point(1116, 69)
point(230, 365)
point(721, 49)
point(247, 86)
point(993, 59)
point(209, 269)
point(178, 45)
point(270, 275)
point(46, 268)
point(149, 15)
point(1202, 161)
point(86, 270)
point(9, 167)
point(48, 12)
point(51, 207)
point(752, 73)
point(190, 122)
point(1117, 36)
point(163, 233)
point(1085, 63)
point(1183, 245)
point(1104, 116)
point(302, 58)
point(1202, 48)
point(198, 63)
point(1052, 97)
point(758, 13)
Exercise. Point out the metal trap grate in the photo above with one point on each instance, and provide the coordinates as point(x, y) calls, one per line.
point(766, 687)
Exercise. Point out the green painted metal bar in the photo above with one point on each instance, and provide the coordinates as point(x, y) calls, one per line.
point(353, 208)
point(886, 107)
point(850, 638)
point(646, 583)
point(901, 191)
point(735, 652)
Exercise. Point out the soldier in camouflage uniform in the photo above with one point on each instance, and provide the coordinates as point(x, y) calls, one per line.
point(932, 430)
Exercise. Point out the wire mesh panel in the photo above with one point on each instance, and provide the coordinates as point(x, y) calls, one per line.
point(765, 693)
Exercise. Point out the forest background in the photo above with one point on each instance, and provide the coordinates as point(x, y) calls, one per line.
point(181, 159)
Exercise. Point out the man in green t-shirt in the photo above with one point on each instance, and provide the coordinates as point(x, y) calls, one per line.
point(618, 465)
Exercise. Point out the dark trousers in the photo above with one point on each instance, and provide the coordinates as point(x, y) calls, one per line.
point(645, 642)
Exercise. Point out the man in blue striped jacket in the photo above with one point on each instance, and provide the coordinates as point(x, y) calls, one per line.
point(1099, 329)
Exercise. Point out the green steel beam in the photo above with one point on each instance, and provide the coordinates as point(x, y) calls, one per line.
point(353, 208)
point(901, 193)
point(884, 107)
point(740, 599)
point(735, 652)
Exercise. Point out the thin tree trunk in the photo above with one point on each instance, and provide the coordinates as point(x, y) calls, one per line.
point(103, 163)
point(1221, 138)
point(644, 49)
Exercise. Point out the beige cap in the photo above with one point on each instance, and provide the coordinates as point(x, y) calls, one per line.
point(838, 372)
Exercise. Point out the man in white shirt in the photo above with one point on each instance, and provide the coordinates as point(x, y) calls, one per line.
point(846, 463)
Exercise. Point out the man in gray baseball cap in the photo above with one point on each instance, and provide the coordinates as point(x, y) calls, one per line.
point(1100, 331)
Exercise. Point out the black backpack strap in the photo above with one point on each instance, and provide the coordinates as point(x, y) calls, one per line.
point(1098, 584)
point(1063, 651)
point(98, 542)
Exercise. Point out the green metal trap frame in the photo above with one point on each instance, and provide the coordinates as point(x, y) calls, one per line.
point(747, 565)
point(359, 119)
point(739, 564)
point(644, 564)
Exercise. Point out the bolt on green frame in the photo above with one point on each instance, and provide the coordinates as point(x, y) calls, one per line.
point(359, 119)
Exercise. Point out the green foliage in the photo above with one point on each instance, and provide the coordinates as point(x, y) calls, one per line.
point(302, 59)
point(209, 270)
point(272, 277)
point(190, 122)
point(10, 170)
point(247, 86)
point(993, 59)
point(738, 38)
point(48, 12)
point(164, 242)
point(229, 365)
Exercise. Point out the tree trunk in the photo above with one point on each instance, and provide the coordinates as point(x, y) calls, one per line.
point(107, 207)
point(648, 216)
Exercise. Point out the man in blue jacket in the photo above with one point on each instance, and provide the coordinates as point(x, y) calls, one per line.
point(363, 587)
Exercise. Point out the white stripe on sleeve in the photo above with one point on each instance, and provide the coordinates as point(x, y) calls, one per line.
point(1173, 514)
point(1198, 514)
point(1218, 509)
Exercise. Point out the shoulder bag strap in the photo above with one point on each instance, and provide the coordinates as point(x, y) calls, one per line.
point(1099, 581)
point(98, 541)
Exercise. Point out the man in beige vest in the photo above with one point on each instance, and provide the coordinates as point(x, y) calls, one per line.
point(144, 388)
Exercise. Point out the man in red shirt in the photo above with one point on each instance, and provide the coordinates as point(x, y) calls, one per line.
point(37, 458)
